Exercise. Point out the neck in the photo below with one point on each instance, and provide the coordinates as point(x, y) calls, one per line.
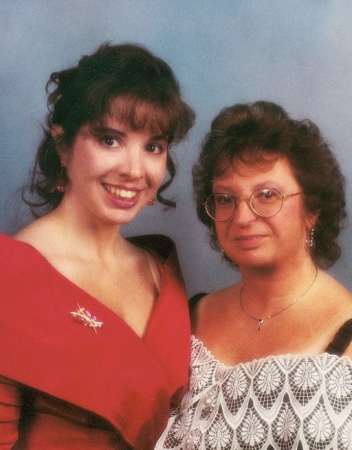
point(267, 290)
point(91, 239)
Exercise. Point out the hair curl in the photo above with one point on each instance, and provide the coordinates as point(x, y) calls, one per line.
point(148, 96)
point(248, 132)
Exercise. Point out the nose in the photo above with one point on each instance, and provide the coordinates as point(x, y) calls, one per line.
point(132, 164)
point(244, 213)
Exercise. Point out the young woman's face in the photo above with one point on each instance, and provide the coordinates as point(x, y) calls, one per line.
point(114, 171)
point(253, 241)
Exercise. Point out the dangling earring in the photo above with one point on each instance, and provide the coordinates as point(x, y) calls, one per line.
point(60, 187)
point(310, 244)
point(61, 182)
point(152, 202)
point(222, 254)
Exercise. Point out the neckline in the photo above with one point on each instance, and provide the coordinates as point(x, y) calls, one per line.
point(257, 361)
point(101, 306)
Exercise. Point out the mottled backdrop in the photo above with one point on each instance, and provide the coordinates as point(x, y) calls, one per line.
point(295, 52)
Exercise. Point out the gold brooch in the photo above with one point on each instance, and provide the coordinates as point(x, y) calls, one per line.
point(85, 318)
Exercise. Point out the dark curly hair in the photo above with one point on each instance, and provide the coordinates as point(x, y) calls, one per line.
point(249, 132)
point(148, 96)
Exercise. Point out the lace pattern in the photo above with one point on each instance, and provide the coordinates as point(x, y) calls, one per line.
point(285, 402)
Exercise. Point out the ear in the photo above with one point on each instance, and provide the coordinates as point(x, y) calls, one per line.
point(312, 219)
point(56, 133)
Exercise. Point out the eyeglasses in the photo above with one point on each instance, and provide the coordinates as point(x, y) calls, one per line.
point(263, 202)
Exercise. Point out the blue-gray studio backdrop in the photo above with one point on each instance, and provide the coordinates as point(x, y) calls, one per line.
point(297, 53)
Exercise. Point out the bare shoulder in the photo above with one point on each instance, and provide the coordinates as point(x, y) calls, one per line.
point(30, 233)
point(334, 293)
point(211, 310)
point(344, 300)
point(41, 234)
point(333, 308)
point(23, 233)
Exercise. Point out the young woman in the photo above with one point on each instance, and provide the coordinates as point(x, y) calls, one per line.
point(88, 317)
point(271, 355)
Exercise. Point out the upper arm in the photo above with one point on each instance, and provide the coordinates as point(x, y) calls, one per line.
point(9, 412)
point(197, 311)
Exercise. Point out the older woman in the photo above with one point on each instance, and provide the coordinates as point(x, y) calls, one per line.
point(271, 355)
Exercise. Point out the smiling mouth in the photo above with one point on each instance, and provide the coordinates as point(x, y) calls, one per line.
point(120, 192)
point(248, 238)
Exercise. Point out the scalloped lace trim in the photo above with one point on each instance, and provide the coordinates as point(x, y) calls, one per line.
point(281, 402)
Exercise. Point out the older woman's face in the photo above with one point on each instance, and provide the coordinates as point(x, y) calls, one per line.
point(253, 241)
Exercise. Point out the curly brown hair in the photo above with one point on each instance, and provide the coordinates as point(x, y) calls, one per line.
point(148, 97)
point(250, 131)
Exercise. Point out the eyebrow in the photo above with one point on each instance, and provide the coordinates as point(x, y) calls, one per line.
point(102, 129)
point(159, 137)
point(115, 131)
point(266, 184)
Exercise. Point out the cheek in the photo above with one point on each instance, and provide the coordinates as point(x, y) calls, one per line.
point(290, 227)
point(83, 168)
point(157, 172)
point(299, 217)
point(221, 230)
point(83, 161)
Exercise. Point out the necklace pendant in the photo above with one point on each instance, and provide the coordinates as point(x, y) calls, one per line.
point(263, 319)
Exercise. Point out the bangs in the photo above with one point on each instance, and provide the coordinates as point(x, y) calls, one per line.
point(260, 158)
point(140, 114)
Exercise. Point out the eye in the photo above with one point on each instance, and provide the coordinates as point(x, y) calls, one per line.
point(267, 195)
point(109, 141)
point(156, 148)
point(223, 199)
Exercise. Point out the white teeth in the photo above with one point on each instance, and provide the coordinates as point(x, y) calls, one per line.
point(121, 192)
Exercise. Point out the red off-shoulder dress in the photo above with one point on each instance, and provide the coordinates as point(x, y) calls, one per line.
point(64, 385)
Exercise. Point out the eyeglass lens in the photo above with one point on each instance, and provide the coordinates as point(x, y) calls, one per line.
point(263, 202)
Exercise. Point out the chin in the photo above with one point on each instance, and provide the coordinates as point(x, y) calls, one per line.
point(254, 262)
point(118, 219)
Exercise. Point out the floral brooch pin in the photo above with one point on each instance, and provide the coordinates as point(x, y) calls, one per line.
point(86, 318)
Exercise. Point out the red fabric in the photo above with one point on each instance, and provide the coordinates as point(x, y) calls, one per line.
point(112, 373)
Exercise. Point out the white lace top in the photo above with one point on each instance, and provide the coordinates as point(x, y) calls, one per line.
point(282, 402)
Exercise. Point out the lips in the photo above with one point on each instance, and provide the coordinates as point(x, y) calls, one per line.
point(249, 241)
point(247, 238)
point(123, 193)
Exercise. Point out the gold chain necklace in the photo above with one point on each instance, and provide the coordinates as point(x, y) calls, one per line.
point(261, 320)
